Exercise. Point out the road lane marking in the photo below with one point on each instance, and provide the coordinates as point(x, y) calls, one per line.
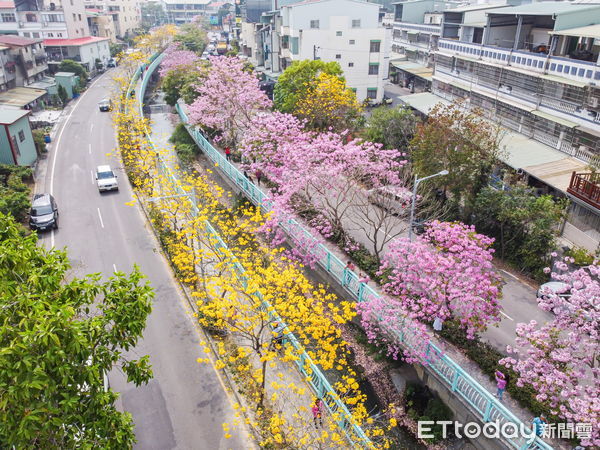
point(91, 127)
point(57, 147)
point(92, 174)
point(114, 267)
point(510, 274)
point(100, 216)
point(507, 316)
point(90, 149)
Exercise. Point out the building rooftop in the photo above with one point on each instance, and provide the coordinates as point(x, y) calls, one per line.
point(64, 74)
point(9, 116)
point(73, 42)
point(546, 9)
point(20, 96)
point(477, 7)
point(591, 31)
point(10, 39)
point(7, 5)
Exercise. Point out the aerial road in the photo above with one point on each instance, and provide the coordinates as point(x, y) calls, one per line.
point(186, 403)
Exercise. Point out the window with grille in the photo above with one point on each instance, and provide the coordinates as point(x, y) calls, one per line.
point(8, 17)
point(355, 23)
point(338, 33)
point(350, 64)
point(352, 42)
point(373, 69)
point(371, 92)
point(338, 56)
point(375, 45)
point(314, 24)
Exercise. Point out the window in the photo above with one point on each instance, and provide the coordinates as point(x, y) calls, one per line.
point(374, 69)
point(355, 23)
point(26, 35)
point(74, 16)
point(338, 33)
point(36, 35)
point(338, 56)
point(21, 136)
point(30, 17)
point(375, 45)
point(53, 17)
point(79, 16)
point(352, 42)
point(350, 64)
point(371, 92)
point(8, 17)
point(314, 24)
point(294, 45)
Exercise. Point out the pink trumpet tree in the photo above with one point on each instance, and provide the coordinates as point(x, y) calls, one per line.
point(177, 59)
point(446, 273)
point(561, 359)
point(229, 99)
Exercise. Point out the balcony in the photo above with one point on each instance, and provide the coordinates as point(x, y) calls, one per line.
point(586, 187)
point(581, 71)
point(418, 27)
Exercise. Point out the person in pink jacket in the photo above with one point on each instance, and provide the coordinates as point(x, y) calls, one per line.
point(500, 384)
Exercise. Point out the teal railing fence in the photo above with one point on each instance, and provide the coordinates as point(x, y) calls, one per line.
point(354, 434)
point(483, 404)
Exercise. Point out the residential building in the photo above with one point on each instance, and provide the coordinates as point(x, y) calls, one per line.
point(345, 31)
point(23, 98)
point(27, 59)
point(101, 24)
point(85, 50)
point(8, 69)
point(16, 140)
point(47, 19)
point(126, 14)
point(534, 69)
point(416, 30)
point(8, 18)
point(184, 11)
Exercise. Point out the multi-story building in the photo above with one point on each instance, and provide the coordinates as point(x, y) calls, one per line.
point(345, 31)
point(101, 24)
point(184, 11)
point(8, 69)
point(8, 18)
point(535, 70)
point(87, 51)
point(48, 19)
point(416, 30)
point(125, 14)
point(26, 60)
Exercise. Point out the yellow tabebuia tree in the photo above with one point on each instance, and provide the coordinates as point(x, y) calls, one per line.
point(328, 104)
point(265, 316)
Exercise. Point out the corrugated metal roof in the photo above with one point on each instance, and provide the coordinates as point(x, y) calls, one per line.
point(8, 116)
point(21, 96)
point(591, 31)
point(423, 102)
point(557, 173)
point(545, 9)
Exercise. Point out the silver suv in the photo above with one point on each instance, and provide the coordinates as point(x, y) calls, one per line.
point(44, 213)
point(106, 179)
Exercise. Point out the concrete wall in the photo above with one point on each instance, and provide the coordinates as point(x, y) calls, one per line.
point(26, 154)
point(6, 156)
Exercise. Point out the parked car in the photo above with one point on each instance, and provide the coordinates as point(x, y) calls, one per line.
point(112, 63)
point(44, 212)
point(391, 198)
point(106, 179)
point(552, 288)
point(105, 105)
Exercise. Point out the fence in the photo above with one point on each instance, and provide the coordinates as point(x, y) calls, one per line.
point(486, 407)
point(312, 374)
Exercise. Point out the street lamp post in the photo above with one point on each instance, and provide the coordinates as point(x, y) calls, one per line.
point(414, 200)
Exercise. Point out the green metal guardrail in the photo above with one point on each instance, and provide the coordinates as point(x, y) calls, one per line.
point(313, 375)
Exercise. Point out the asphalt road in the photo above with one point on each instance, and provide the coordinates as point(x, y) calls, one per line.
point(185, 405)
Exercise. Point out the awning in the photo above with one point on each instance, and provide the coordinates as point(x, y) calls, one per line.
point(557, 173)
point(590, 31)
point(414, 69)
point(553, 118)
point(21, 96)
point(423, 102)
point(459, 85)
point(521, 152)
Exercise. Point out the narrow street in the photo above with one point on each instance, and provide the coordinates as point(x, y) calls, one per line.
point(185, 404)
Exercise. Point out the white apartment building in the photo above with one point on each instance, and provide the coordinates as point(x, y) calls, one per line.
point(125, 14)
point(83, 50)
point(52, 19)
point(8, 18)
point(535, 70)
point(345, 31)
point(184, 11)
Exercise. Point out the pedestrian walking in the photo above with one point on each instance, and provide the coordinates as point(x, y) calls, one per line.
point(363, 278)
point(228, 153)
point(258, 175)
point(437, 323)
point(317, 411)
point(248, 176)
point(350, 266)
point(500, 384)
point(539, 423)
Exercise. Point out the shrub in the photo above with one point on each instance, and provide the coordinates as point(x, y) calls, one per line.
point(581, 256)
point(422, 405)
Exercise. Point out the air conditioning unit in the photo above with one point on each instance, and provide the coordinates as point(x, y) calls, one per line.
point(21, 24)
point(593, 102)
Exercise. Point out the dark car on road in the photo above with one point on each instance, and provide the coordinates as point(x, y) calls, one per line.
point(44, 213)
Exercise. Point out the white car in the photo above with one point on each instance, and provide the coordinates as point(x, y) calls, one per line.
point(106, 179)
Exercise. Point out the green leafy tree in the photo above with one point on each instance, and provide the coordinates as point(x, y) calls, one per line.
point(192, 37)
point(59, 336)
point(392, 127)
point(14, 192)
point(182, 84)
point(63, 95)
point(115, 49)
point(68, 65)
point(525, 225)
point(295, 81)
point(460, 141)
point(153, 15)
